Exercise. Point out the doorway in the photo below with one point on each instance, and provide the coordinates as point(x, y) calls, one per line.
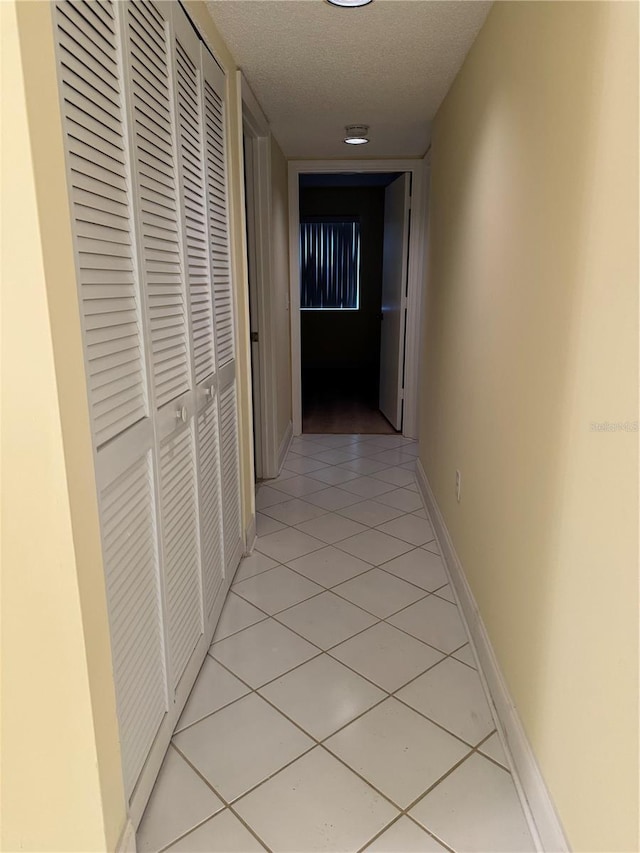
point(257, 191)
point(341, 255)
point(355, 296)
point(248, 142)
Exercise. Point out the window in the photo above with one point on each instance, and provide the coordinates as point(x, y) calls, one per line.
point(330, 264)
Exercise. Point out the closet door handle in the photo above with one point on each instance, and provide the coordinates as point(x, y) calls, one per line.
point(182, 414)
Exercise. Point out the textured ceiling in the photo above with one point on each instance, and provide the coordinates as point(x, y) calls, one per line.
point(315, 68)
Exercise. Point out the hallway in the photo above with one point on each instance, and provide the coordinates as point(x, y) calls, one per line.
point(339, 707)
point(387, 644)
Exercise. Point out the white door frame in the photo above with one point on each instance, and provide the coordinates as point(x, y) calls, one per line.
point(257, 125)
point(417, 242)
point(394, 281)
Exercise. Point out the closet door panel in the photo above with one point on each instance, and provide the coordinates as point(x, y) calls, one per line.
point(131, 567)
point(197, 263)
point(218, 217)
point(231, 516)
point(181, 549)
point(99, 163)
point(210, 506)
point(155, 100)
point(149, 64)
point(193, 198)
point(216, 165)
point(97, 160)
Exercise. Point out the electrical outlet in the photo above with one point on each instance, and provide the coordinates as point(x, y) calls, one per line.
point(458, 485)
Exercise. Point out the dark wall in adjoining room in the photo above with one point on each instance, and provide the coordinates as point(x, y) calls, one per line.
point(344, 346)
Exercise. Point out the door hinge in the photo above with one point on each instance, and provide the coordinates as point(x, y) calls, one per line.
point(254, 338)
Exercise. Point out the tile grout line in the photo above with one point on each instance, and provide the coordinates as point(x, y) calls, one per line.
point(322, 744)
point(431, 833)
point(324, 589)
point(425, 594)
point(380, 566)
point(362, 631)
point(339, 466)
point(337, 510)
point(316, 743)
point(342, 466)
point(379, 833)
point(329, 648)
point(388, 694)
point(413, 820)
point(228, 804)
point(340, 583)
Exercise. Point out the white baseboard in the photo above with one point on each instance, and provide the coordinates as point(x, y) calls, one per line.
point(250, 536)
point(287, 438)
point(542, 816)
point(127, 842)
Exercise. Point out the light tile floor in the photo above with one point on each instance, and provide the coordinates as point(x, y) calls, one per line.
point(339, 707)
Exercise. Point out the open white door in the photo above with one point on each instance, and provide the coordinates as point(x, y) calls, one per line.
point(394, 298)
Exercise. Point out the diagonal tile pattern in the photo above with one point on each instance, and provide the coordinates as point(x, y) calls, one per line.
point(276, 590)
point(379, 592)
point(322, 695)
point(181, 800)
point(329, 566)
point(398, 750)
point(326, 620)
point(340, 707)
point(489, 798)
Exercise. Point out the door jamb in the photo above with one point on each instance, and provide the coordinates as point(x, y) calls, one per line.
point(417, 240)
point(257, 124)
point(248, 140)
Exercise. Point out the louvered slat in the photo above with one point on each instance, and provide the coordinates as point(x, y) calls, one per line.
point(230, 474)
point(210, 505)
point(131, 567)
point(216, 175)
point(158, 201)
point(194, 207)
point(101, 207)
point(180, 532)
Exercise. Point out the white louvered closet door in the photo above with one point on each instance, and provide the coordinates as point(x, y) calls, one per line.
point(218, 215)
point(155, 135)
point(102, 208)
point(143, 111)
point(197, 253)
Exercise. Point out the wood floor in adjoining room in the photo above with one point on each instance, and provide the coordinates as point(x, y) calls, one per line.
point(339, 416)
point(342, 403)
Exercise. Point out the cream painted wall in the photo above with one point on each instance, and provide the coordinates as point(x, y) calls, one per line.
point(531, 336)
point(280, 285)
point(61, 776)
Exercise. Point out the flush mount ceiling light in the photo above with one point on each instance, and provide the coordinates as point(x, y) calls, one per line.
point(356, 134)
point(349, 3)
